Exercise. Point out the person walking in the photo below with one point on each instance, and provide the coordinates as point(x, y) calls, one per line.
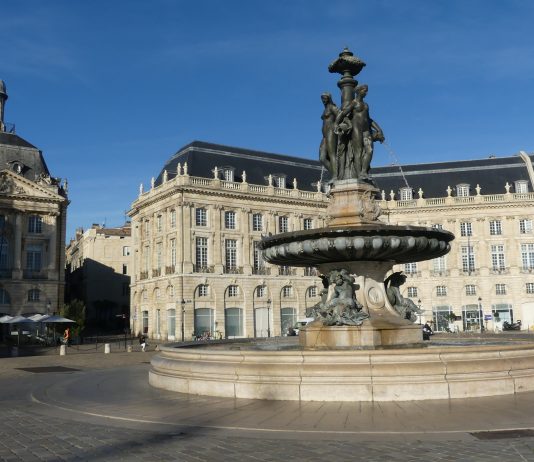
point(142, 342)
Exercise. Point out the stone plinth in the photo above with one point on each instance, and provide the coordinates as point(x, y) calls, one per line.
point(352, 203)
point(319, 337)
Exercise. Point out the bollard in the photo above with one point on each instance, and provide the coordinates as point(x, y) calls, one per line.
point(129, 348)
point(62, 350)
point(107, 348)
point(14, 351)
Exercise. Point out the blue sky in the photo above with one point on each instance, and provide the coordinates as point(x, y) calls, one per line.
point(110, 89)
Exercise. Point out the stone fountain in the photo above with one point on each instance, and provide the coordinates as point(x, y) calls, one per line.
point(363, 344)
point(360, 306)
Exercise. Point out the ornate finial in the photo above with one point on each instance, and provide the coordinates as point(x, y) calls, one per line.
point(319, 184)
point(270, 180)
point(478, 189)
point(66, 186)
point(165, 176)
point(244, 177)
point(152, 182)
point(185, 169)
point(449, 191)
point(420, 193)
point(392, 195)
point(507, 187)
point(346, 63)
point(383, 195)
point(215, 173)
point(179, 169)
point(3, 99)
point(294, 183)
point(141, 189)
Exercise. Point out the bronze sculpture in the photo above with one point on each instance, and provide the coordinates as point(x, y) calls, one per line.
point(404, 306)
point(328, 147)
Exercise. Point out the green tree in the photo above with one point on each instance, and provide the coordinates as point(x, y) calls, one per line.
point(75, 310)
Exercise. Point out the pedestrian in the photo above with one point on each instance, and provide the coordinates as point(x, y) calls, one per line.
point(66, 336)
point(142, 342)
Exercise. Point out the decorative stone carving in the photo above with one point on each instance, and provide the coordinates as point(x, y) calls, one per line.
point(165, 176)
point(8, 186)
point(338, 305)
point(141, 189)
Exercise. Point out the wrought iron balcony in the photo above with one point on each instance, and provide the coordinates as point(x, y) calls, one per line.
point(143, 275)
point(34, 274)
point(169, 269)
point(262, 270)
point(310, 271)
point(286, 271)
point(202, 269)
point(233, 269)
point(156, 272)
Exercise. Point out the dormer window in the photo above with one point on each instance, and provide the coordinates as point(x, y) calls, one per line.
point(227, 173)
point(279, 181)
point(462, 190)
point(521, 186)
point(406, 194)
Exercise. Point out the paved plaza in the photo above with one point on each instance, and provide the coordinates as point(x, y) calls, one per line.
point(91, 406)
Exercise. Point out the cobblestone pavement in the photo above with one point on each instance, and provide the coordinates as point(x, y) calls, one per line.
point(104, 410)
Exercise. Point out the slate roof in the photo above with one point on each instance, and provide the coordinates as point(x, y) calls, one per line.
point(490, 173)
point(30, 156)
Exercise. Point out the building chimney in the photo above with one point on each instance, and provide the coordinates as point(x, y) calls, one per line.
point(3, 99)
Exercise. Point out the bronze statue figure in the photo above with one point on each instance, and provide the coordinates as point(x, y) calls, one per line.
point(327, 150)
point(404, 306)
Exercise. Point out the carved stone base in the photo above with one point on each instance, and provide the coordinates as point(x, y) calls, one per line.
point(352, 203)
point(316, 337)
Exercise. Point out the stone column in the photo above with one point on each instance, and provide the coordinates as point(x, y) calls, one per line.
point(17, 254)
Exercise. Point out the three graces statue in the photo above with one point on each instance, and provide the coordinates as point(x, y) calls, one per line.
point(348, 133)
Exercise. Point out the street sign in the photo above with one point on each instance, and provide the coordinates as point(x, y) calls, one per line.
point(488, 317)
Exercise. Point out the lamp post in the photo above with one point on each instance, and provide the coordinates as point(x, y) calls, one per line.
point(420, 314)
point(481, 316)
point(183, 302)
point(269, 317)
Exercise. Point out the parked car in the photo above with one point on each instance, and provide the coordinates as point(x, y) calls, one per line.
point(301, 323)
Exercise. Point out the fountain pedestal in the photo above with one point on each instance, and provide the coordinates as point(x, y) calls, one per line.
point(318, 337)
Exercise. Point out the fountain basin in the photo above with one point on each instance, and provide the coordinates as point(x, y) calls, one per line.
point(257, 371)
point(367, 242)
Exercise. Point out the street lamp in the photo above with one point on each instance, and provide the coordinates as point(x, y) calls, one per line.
point(183, 302)
point(419, 306)
point(48, 306)
point(481, 316)
point(269, 317)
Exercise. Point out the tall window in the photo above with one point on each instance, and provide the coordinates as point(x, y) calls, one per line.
point(500, 289)
point(147, 229)
point(466, 229)
point(529, 288)
point(33, 257)
point(201, 217)
point(468, 258)
point(35, 224)
point(144, 317)
point(308, 223)
point(525, 226)
point(462, 190)
point(470, 289)
point(172, 218)
point(257, 222)
point(158, 322)
point(283, 224)
point(34, 295)
point(201, 251)
point(159, 223)
point(495, 227)
point(439, 264)
point(527, 256)
point(204, 321)
point(258, 262)
point(230, 246)
point(4, 253)
point(441, 291)
point(410, 268)
point(497, 257)
point(171, 322)
point(159, 255)
point(288, 318)
point(260, 291)
point(173, 252)
point(406, 194)
point(229, 219)
point(279, 181)
point(228, 174)
point(146, 258)
point(312, 291)
point(233, 322)
point(412, 292)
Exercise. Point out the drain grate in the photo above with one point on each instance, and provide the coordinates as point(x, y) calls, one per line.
point(46, 369)
point(503, 434)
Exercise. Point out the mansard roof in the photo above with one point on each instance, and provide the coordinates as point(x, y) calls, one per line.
point(433, 178)
point(16, 150)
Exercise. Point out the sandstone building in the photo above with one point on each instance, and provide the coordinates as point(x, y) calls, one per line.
point(98, 273)
point(33, 212)
point(196, 267)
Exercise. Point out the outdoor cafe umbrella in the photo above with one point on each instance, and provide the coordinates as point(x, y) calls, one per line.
point(19, 320)
point(5, 318)
point(55, 319)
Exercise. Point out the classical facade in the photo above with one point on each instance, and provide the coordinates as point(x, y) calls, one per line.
point(196, 268)
point(98, 273)
point(33, 211)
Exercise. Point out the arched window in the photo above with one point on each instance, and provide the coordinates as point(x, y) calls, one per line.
point(288, 319)
point(204, 321)
point(233, 321)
